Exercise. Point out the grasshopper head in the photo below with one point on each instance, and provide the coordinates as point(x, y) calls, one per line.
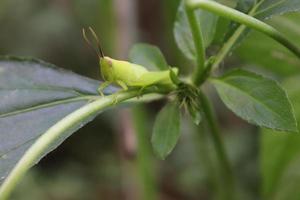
point(106, 67)
point(106, 64)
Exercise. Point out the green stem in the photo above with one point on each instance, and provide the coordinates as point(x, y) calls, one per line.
point(202, 144)
point(227, 174)
point(232, 40)
point(144, 158)
point(227, 46)
point(245, 19)
point(198, 42)
point(56, 131)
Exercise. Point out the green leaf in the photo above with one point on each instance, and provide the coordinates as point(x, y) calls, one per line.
point(269, 8)
point(243, 6)
point(258, 100)
point(34, 96)
point(148, 56)
point(280, 155)
point(183, 34)
point(166, 130)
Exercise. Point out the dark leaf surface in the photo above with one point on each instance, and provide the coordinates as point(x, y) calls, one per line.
point(34, 96)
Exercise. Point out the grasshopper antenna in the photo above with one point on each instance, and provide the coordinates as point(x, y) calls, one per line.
point(97, 50)
point(97, 40)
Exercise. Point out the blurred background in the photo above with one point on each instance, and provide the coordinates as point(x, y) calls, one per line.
point(100, 161)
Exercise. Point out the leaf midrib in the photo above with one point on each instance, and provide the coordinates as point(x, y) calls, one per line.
point(46, 88)
point(50, 104)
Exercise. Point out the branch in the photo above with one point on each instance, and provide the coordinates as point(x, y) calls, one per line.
point(198, 42)
point(225, 167)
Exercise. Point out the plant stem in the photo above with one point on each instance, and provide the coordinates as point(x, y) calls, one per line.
point(144, 158)
point(202, 143)
point(245, 19)
point(232, 40)
point(227, 174)
point(56, 131)
point(227, 46)
point(198, 42)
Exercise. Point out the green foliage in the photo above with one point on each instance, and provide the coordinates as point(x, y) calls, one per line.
point(257, 99)
point(183, 34)
point(275, 58)
point(280, 155)
point(263, 10)
point(40, 95)
point(166, 130)
point(148, 56)
point(245, 5)
point(34, 96)
point(270, 8)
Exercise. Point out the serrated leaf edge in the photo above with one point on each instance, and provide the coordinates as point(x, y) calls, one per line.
point(251, 121)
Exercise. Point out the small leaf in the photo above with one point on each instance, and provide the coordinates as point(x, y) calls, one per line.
point(258, 100)
point(183, 34)
point(34, 96)
point(166, 130)
point(148, 56)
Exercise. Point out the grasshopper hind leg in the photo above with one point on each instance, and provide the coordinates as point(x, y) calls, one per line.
point(140, 93)
point(122, 85)
point(124, 88)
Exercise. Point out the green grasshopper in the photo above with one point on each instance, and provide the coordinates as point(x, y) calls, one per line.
point(126, 74)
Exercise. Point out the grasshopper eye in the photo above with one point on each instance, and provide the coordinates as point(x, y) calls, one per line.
point(97, 49)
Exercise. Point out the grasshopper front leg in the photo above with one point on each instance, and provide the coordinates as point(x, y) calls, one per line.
point(103, 86)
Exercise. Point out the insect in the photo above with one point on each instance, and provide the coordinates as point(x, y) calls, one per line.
point(126, 74)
